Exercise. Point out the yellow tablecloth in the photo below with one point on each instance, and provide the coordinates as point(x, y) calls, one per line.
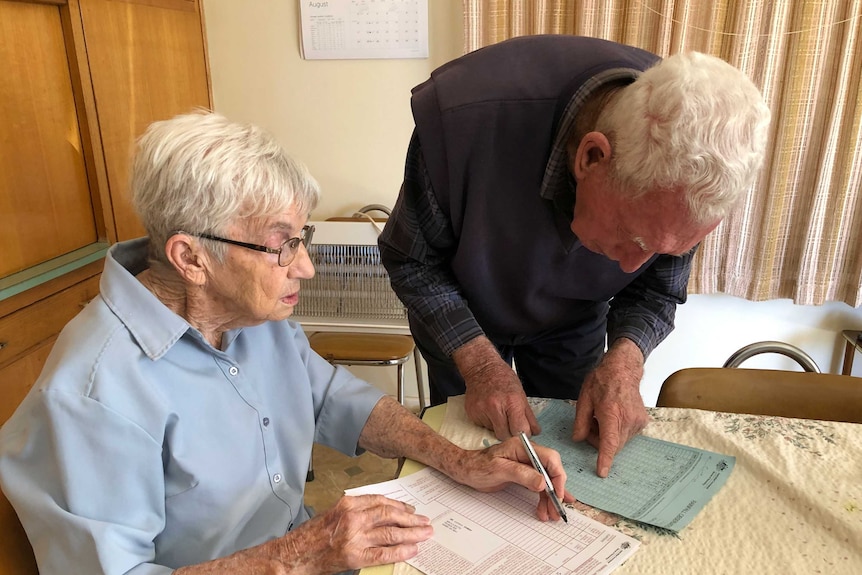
point(793, 503)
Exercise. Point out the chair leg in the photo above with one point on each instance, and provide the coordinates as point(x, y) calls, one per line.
point(309, 475)
point(420, 384)
point(401, 383)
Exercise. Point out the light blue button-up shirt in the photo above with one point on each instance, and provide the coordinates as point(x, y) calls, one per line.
point(142, 448)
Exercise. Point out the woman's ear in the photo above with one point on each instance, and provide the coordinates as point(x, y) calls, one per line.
point(594, 150)
point(188, 258)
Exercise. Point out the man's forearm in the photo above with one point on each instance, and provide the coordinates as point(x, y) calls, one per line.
point(626, 359)
point(475, 357)
point(416, 247)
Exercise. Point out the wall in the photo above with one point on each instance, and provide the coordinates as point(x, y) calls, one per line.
point(350, 122)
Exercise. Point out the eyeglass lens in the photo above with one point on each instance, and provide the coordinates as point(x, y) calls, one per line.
point(291, 246)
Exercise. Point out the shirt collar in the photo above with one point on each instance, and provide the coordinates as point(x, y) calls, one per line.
point(153, 325)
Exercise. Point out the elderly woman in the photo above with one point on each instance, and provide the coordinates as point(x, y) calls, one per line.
point(172, 426)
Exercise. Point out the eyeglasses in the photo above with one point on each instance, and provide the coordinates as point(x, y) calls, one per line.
point(286, 253)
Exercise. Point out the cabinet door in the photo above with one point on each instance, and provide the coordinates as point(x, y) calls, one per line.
point(45, 205)
point(18, 377)
point(147, 63)
point(28, 327)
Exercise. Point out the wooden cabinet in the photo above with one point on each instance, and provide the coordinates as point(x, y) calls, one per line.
point(147, 62)
point(27, 334)
point(29, 324)
point(82, 80)
point(33, 324)
point(45, 205)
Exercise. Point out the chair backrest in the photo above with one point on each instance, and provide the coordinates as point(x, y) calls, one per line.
point(799, 356)
point(350, 281)
point(16, 554)
point(805, 395)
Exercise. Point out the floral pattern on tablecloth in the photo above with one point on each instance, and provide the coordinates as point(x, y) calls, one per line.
point(660, 415)
point(808, 435)
point(803, 434)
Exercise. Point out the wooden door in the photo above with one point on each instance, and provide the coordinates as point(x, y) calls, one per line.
point(45, 203)
point(148, 62)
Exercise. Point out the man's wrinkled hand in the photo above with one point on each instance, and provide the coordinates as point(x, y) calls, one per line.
point(610, 408)
point(495, 398)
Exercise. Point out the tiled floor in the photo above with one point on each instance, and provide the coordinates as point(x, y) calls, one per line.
point(334, 472)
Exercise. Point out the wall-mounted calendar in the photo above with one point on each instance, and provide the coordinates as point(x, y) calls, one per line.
point(359, 29)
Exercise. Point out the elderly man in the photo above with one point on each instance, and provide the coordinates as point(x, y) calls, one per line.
point(172, 425)
point(555, 190)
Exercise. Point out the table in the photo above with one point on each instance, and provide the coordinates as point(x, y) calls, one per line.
point(852, 345)
point(793, 503)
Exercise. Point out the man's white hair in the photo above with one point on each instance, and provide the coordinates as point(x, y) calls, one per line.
point(692, 124)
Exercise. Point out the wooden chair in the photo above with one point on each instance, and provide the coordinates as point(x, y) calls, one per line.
point(368, 349)
point(16, 554)
point(805, 395)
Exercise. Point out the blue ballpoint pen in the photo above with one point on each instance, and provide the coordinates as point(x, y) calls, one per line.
point(549, 487)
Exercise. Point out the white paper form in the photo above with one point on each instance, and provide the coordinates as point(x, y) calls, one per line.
point(477, 533)
point(354, 29)
point(652, 481)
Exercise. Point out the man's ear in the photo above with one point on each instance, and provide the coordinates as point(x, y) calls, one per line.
point(188, 258)
point(594, 150)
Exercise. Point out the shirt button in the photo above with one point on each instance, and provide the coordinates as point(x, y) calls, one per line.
point(233, 370)
point(265, 421)
point(277, 477)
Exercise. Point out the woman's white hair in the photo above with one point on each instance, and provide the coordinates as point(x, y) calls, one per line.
point(692, 124)
point(200, 172)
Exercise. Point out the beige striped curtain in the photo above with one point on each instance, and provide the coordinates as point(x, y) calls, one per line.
point(799, 233)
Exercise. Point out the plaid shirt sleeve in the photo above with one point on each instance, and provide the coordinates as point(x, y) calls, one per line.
point(644, 311)
point(416, 246)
